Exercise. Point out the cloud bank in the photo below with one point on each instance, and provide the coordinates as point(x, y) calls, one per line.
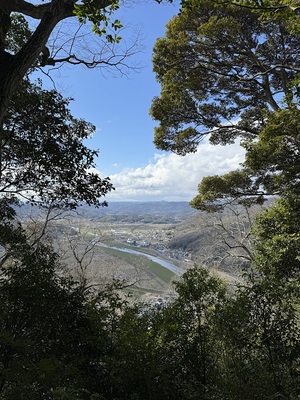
point(171, 177)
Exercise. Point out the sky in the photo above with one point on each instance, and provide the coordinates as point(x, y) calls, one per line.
point(118, 105)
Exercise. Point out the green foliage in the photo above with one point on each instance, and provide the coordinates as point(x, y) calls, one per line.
point(89, 10)
point(63, 340)
point(59, 340)
point(18, 34)
point(189, 335)
point(216, 65)
point(223, 73)
point(271, 167)
point(42, 322)
point(285, 10)
point(278, 239)
point(216, 191)
point(56, 336)
point(211, 344)
point(260, 335)
point(43, 155)
point(274, 158)
point(229, 71)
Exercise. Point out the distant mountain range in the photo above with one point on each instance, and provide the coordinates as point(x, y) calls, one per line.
point(152, 211)
point(149, 207)
point(123, 211)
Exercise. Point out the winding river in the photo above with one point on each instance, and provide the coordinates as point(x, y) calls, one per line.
point(164, 263)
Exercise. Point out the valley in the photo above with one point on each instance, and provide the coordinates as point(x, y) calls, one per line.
point(113, 243)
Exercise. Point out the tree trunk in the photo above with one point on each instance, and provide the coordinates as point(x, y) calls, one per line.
point(13, 68)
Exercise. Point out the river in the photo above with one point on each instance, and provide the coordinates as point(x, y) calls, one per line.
point(164, 263)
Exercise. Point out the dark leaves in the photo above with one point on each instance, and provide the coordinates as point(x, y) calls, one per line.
point(44, 157)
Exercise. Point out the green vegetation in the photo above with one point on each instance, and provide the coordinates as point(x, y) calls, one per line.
point(59, 339)
point(143, 263)
point(227, 73)
point(22, 50)
point(66, 339)
point(43, 151)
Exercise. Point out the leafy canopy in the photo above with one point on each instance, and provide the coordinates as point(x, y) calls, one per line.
point(89, 10)
point(43, 45)
point(228, 73)
point(44, 158)
point(219, 69)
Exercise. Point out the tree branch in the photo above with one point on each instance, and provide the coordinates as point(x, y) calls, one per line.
point(24, 7)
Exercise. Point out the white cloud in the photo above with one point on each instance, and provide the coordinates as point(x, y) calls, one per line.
point(174, 178)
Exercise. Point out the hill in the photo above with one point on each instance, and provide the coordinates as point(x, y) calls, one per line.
point(140, 212)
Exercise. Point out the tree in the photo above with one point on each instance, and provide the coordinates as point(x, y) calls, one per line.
point(23, 50)
point(137, 373)
point(44, 160)
point(187, 341)
point(258, 329)
point(217, 65)
point(271, 167)
point(226, 73)
point(48, 14)
point(215, 192)
point(170, 351)
point(41, 326)
point(270, 9)
point(57, 337)
point(277, 233)
point(43, 157)
point(275, 291)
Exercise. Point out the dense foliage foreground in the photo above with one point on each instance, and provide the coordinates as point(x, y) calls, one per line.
point(62, 340)
point(226, 72)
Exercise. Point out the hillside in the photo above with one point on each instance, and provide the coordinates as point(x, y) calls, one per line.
point(220, 240)
point(147, 212)
point(171, 230)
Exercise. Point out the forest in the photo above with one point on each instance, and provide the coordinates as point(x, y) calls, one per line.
point(228, 70)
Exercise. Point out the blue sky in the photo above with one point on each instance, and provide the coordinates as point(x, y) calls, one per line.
point(119, 108)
